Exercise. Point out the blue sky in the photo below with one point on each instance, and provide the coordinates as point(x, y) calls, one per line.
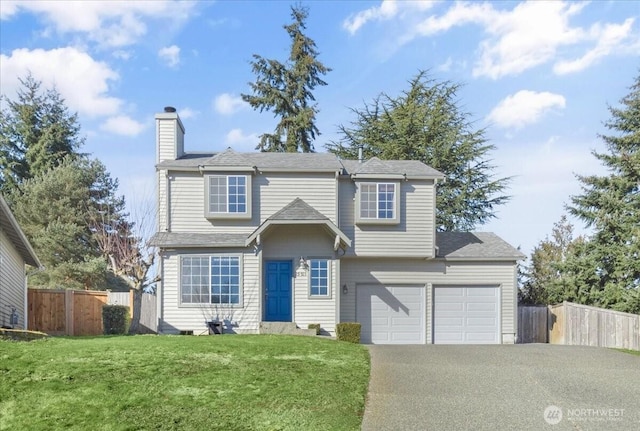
point(537, 75)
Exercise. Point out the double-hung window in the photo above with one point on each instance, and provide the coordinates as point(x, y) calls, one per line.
point(319, 278)
point(228, 196)
point(210, 280)
point(378, 203)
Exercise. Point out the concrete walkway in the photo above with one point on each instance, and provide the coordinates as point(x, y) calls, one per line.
point(504, 387)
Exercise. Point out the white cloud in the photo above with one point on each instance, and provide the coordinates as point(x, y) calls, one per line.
point(109, 23)
point(227, 104)
point(170, 55)
point(524, 36)
point(388, 9)
point(608, 37)
point(81, 80)
point(188, 113)
point(122, 125)
point(523, 108)
point(122, 54)
point(240, 141)
point(446, 66)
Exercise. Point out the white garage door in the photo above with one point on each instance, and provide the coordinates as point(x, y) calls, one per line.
point(391, 314)
point(466, 315)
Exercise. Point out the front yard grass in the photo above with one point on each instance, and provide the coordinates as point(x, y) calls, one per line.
point(229, 382)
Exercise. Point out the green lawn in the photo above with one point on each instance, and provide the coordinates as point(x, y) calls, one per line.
point(633, 352)
point(229, 382)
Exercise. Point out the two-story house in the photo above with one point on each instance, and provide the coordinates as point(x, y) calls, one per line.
point(247, 238)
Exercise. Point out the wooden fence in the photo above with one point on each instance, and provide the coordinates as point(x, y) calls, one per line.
point(79, 312)
point(148, 315)
point(576, 324)
point(65, 311)
point(532, 324)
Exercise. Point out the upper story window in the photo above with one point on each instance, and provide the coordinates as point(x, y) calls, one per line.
point(378, 203)
point(228, 196)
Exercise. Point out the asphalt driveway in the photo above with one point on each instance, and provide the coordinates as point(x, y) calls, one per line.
point(504, 387)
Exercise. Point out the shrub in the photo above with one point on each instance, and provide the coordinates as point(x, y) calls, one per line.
point(115, 319)
point(315, 326)
point(348, 331)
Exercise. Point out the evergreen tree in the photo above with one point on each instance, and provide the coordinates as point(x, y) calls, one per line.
point(36, 133)
point(425, 123)
point(610, 267)
point(544, 283)
point(54, 210)
point(286, 89)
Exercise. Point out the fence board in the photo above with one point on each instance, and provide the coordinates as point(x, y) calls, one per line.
point(66, 312)
point(532, 324)
point(148, 314)
point(577, 324)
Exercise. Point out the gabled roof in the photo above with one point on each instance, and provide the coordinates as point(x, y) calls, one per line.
point(300, 162)
point(300, 212)
point(10, 227)
point(375, 167)
point(475, 246)
point(198, 240)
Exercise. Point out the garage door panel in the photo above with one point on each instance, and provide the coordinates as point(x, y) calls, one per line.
point(391, 314)
point(466, 314)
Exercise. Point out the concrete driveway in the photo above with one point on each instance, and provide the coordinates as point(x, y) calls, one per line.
point(504, 387)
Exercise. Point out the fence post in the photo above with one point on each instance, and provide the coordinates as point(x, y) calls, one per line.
point(131, 303)
point(68, 311)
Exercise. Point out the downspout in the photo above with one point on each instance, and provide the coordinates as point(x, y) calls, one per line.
point(167, 205)
point(26, 301)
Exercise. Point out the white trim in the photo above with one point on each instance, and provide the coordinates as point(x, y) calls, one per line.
point(240, 303)
point(376, 220)
point(227, 215)
point(329, 279)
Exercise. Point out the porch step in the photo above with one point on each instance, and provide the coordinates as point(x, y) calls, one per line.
point(286, 328)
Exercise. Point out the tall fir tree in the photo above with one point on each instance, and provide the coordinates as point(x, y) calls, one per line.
point(37, 132)
point(55, 209)
point(610, 204)
point(287, 90)
point(425, 123)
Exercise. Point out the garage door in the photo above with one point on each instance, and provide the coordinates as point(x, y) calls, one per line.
point(391, 314)
point(466, 315)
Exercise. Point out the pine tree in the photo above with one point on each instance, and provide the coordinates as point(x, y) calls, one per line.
point(544, 282)
point(610, 204)
point(286, 89)
point(425, 123)
point(54, 210)
point(36, 133)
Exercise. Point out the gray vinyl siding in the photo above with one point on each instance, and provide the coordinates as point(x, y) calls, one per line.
point(429, 274)
point(162, 201)
point(278, 189)
point(170, 139)
point(270, 193)
point(176, 318)
point(412, 237)
point(12, 282)
point(291, 243)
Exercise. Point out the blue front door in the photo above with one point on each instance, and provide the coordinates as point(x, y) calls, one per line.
point(278, 291)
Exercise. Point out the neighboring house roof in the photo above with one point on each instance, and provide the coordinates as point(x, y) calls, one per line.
point(198, 240)
point(375, 166)
point(9, 225)
point(188, 161)
point(474, 246)
point(300, 212)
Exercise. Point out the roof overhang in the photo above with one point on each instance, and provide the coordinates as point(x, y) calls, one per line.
point(9, 225)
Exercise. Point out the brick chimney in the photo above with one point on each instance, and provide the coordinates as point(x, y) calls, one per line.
point(169, 135)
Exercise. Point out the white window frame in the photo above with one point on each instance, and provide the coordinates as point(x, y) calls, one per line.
point(329, 277)
point(209, 257)
point(376, 220)
point(226, 214)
